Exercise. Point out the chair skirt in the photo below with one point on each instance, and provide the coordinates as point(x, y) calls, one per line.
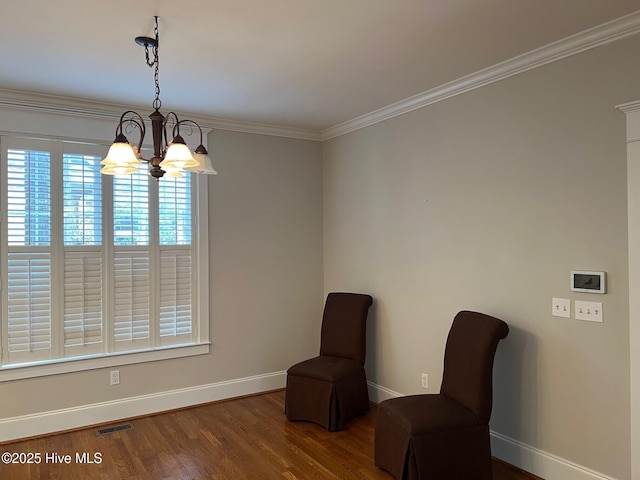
point(330, 404)
point(407, 453)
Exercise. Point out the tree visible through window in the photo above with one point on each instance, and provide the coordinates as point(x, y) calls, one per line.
point(82, 199)
point(28, 198)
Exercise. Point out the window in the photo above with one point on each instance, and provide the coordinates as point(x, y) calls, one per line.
point(95, 265)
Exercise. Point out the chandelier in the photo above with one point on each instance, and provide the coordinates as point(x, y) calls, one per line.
point(172, 158)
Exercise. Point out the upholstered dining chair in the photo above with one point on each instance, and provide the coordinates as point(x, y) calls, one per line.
point(331, 388)
point(445, 436)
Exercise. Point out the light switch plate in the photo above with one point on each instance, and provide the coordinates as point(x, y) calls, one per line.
point(561, 307)
point(590, 311)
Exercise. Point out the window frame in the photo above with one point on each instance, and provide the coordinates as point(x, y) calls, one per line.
point(200, 343)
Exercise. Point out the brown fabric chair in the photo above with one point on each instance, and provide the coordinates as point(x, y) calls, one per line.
point(331, 388)
point(445, 436)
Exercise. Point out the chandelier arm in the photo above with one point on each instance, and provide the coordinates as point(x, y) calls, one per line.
point(176, 121)
point(133, 118)
point(124, 120)
point(176, 127)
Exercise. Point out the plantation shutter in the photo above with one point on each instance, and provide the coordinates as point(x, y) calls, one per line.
point(29, 307)
point(176, 260)
point(83, 332)
point(175, 211)
point(131, 311)
point(28, 256)
point(83, 255)
point(175, 296)
point(132, 263)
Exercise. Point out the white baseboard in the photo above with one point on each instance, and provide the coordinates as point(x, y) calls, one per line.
point(98, 413)
point(378, 393)
point(529, 459)
point(539, 462)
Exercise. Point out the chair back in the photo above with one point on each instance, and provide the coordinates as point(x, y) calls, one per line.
point(468, 361)
point(344, 326)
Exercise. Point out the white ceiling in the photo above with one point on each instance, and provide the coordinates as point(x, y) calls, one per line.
point(292, 63)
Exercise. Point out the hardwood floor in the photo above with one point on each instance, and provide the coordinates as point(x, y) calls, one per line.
point(246, 438)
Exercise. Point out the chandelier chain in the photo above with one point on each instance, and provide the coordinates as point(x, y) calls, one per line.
point(155, 62)
point(156, 102)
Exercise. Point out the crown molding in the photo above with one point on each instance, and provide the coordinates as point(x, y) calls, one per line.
point(604, 34)
point(629, 107)
point(75, 107)
point(632, 111)
point(259, 128)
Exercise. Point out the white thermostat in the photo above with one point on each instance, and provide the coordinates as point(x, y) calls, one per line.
point(588, 282)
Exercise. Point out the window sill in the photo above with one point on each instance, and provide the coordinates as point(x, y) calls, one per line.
point(80, 364)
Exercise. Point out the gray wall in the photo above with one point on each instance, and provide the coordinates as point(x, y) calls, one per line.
point(487, 201)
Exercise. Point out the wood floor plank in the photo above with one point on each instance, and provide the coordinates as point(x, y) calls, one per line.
point(241, 439)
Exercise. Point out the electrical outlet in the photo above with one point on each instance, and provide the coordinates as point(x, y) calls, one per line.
point(425, 380)
point(561, 307)
point(114, 377)
point(590, 311)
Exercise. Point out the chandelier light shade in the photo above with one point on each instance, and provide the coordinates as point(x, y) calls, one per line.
point(172, 158)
